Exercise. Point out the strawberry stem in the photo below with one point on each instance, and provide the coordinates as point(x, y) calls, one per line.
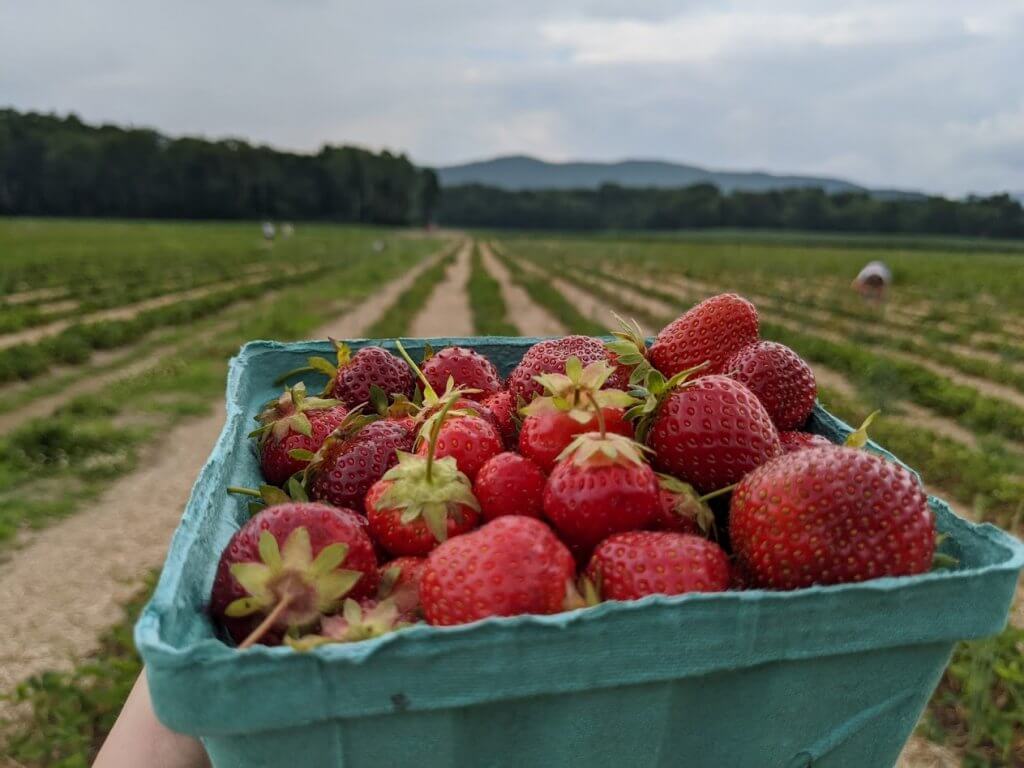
point(294, 372)
point(599, 413)
point(244, 491)
point(719, 492)
point(419, 374)
point(435, 431)
point(267, 622)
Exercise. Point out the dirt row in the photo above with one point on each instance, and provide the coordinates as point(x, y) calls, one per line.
point(447, 311)
point(58, 593)
point(528, 317)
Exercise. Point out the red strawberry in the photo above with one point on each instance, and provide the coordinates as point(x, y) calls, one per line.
point(512, 565)
point(502, 407)
point(350, 462)
point(400, 582)
point(550, 356)
point(351, 378)
point(568, 409)
point(601, 486)
point(287, 567)
point(467, 369)
point(627, 352)
point(782, 381)
point(798, 441)
point(711, 331)
point(293, 422)
point(710, 432)
point(631, 565)
point(681, 509)
point(471, 441)
point(830, 515)
point(510, 484)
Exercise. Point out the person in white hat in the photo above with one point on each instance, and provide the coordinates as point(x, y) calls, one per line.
point(873, 281)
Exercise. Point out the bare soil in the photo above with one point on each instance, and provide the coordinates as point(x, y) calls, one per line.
point(529, 317)
point(447, 311)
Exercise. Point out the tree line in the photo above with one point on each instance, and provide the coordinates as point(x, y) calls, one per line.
point(704, 206)
point(56, 166)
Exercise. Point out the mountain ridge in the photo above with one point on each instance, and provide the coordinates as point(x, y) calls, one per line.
point(520, 172)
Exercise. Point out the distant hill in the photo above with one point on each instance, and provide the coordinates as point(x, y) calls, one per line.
point(516, 172)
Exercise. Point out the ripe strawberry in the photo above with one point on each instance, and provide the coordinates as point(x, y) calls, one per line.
point(710, 432)
point(568, 409)
point(550, 356)
point(779, 377)
point(350, 379)
point(293, 422)
point(798, 441)
point(830, 515)
point(351, 461)
point(471, 441)
point(631, 565)
point(283, 569)
point(510, 566)
point(681, 509)
point(502, 407)
point(510, 484)
point(466, 368)
point(400, 582)
point(600, 486)
point(711, 331)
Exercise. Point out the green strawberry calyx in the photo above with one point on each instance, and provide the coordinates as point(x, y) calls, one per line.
point(594, 448)
point(432, 489)
point(288, 585)
point(432, 403)
point(686, 502)
point(352, 625)
point(859, 437)
point(577, 392)
point(287, 414)
point(270, 495)
point(343, 356)
point(630, 349)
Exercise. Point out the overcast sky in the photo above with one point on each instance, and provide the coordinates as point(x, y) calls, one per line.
point(903, 93)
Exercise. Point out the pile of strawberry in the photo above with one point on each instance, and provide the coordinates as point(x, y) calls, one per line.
point(597, 471)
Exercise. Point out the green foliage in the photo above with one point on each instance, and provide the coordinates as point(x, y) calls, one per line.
point(53, 166)
point(702, 206)
point(70, 713)
point(979, 705)
point(490, 315)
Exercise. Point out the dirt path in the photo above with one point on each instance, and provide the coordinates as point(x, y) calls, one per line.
point(58, 593)
point(447, 311)
point(585, 302)
point(529, 317)
point(129, 311)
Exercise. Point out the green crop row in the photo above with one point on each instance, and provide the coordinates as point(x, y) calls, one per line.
point(490, 315)
point(547, 296)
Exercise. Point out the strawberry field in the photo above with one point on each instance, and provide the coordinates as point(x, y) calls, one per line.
point(114, 339)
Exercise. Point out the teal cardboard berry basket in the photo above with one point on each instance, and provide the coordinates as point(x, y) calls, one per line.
point(828, 676)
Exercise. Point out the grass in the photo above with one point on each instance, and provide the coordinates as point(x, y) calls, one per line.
point(490, 315)
point(399, 316)
point(70, 713)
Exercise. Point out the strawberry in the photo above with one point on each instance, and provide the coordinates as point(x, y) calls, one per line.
point(568, 409)
point(798, 441)
point(466, 369)
point(353, 459)
point(470, 440)
point(424, 500)
point(779, 377)
point(350, 378)
point(634, 564)
point(287, 567)
point(711, 331)
point(600, 486)
point(400, 582)
point(627, 352)
point(710, 432)
point(357, 621)
point(502, 407)
point(510, 566)
point(681, 509)
point(293, 422)
point(550, 356)
point(510, 484)
point(830, 515)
